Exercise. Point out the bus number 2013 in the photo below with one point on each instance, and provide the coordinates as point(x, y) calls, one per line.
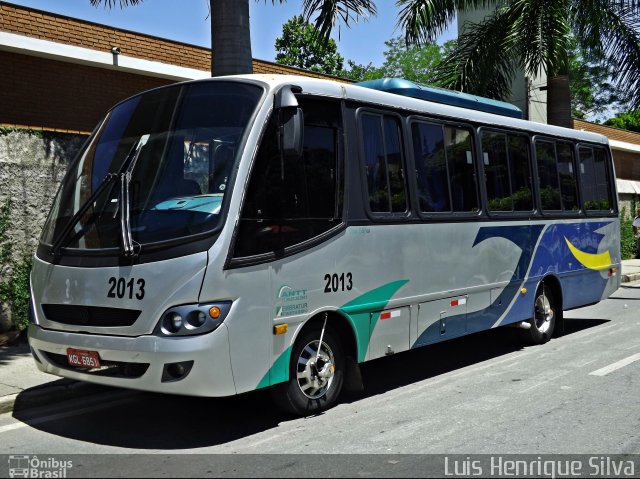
point(334, 282)
point(121, 288)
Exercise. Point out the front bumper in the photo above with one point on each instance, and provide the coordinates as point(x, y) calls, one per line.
point(210, 376)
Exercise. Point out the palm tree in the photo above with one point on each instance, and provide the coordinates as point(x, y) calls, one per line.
point(231, 37)
point(534, 35)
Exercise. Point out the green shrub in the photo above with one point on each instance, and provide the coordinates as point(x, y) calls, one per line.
point(627, 240)
point(14, 275)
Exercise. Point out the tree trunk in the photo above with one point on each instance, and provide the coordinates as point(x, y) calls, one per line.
point(559, 101)
point(230, 38)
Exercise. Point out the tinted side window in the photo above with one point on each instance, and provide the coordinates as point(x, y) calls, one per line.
point(594, 178)
point(462, 175)
point(548, 176)
point(444, 168)
point(291, 201)
point(383, 159)
point(520, 166)
point(431, 167)
point(567, 173)
point(494, 156)
point(507, 171)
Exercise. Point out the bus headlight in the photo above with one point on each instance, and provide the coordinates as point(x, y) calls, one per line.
point(192, 319)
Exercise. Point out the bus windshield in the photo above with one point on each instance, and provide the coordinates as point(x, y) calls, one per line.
point(172, 149)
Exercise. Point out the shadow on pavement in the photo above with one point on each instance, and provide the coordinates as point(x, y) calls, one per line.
point(163, 422)
point(19, 347)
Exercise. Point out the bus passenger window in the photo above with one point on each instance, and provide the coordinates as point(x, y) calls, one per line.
point(384, 168)
point(567, 173)
point(507, 168)
point(431, 167)
point(462, 174)
point(594, 179)
point(548, 175)
point(520, 167)
point(494, 155)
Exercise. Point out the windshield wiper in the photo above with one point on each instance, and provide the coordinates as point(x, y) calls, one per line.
point(125, 168)
point(128, 248)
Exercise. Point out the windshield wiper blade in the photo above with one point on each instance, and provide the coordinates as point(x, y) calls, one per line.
point(128, 162)
point(125, 202)
point(58, 243)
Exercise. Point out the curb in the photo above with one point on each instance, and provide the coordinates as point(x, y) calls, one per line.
point(7, 403)
point(628, 278)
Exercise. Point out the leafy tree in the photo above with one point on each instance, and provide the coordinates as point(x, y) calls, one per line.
point(301, 46)
point(534, 35)
point(592, 91)
point(413, 62)
point(626, 121)
point(530, 34)
point(359, 72)
point(231, 36)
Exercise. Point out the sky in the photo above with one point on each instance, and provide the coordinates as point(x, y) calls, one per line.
point(187, 21)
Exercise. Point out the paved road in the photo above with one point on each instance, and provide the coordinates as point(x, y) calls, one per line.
point(479, 394)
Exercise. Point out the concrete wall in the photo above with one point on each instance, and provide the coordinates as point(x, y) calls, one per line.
point(32, 165)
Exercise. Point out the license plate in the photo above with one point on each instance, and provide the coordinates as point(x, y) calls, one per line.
point(83, 359)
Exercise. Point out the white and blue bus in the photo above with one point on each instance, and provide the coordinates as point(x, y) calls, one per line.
point(221, 236)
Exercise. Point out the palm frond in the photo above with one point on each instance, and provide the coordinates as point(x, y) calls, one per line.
point(112, 3)
point(424, 20)
point(328, 13)
point(485, 59)
point(616, 35)
point(543, 32)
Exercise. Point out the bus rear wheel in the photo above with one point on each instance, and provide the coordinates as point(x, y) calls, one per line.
point(543, 322)
point(316, 373)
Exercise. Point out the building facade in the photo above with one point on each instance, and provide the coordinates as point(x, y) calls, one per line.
point(63, 73)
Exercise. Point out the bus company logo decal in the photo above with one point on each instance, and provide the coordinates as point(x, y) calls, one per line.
point(287, 294)
point(291, 301)
point(33, 466)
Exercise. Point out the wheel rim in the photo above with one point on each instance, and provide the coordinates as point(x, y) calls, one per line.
point(543, 313)
point(315, 372)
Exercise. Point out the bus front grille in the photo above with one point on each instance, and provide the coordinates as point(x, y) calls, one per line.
point(77, 315)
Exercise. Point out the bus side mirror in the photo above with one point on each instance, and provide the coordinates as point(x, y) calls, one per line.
point(291, 136)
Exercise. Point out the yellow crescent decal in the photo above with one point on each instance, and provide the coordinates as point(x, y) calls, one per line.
point(590, 260)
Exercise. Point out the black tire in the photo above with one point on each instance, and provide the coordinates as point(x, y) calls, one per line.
point(300, 396)
point(543, 322)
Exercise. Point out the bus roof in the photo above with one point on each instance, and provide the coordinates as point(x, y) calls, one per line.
point(403, 87)
point(355, 92)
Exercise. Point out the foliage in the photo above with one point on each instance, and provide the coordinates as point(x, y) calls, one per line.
point(627, 239)
point(5, 130)
point(412, 62)
point(301, 46)
point(14, 275)
point(626, 121)
point(530, 35)
point(359, 72)
point(592, 91)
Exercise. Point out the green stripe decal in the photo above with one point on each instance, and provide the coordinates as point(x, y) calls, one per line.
point(279, 372)
point(359, 312)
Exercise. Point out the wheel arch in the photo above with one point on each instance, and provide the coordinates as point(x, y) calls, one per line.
point(338, 321)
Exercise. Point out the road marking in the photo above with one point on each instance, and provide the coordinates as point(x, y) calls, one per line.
point(615, 366)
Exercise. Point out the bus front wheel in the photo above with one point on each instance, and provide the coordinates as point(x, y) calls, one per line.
point(316, 373)
point(545, 312)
